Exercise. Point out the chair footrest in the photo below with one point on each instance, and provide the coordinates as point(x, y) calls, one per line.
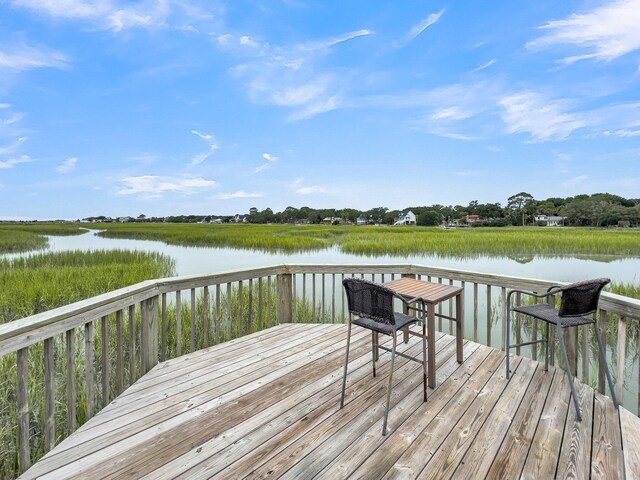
point(408, 357)
point(526, 343)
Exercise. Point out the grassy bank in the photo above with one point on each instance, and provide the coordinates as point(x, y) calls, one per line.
point(374, 241)
point(27, 237)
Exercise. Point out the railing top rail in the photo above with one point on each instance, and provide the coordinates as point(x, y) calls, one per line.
point(32, 329)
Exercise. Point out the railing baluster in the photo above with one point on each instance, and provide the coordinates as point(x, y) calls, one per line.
point(304, 294)
point(205, 316)
point(70, 336)
point(178, 323)
point(333, 298)
point(260, 304)
point(315, 309)
point(294, 303)
point(49, 396)
point(218, 314)
point(585, 354)
point(192, 323)
point(23, 408)
point(475, 311)
point(105, 360)
point(621, 357)
point(163, 342)
point(518, 323)
point(602, 325)
point(119, 353)
point(229, 312)
point(503, 294)
point(132, 344)
point(88, 369)
point(450, 311)
point(323, 297)
point(268, 301)
point(240, 310)
point(489, 315)
point(344, 298)
point(250, 311)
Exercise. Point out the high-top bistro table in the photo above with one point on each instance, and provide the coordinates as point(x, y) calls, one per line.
point(431, 294)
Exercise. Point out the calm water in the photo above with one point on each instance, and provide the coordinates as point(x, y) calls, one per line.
point(198, 260)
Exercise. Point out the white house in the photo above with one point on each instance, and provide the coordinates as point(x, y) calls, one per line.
point(361, 221)
point(550, 220)
point(406, 218)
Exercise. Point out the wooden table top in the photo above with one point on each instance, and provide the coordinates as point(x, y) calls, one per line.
point(426, 291)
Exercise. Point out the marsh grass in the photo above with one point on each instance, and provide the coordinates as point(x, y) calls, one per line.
point(16, 238)
point(516, 242)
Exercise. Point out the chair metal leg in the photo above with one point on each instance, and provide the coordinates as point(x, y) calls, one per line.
point(568, 371)
point(374, 346)
point(346, 362)
point(603, 360)
point(546, 348)
point(424, 351)
point(386, 412)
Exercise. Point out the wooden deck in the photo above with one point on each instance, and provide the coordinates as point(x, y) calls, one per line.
point(267, 406)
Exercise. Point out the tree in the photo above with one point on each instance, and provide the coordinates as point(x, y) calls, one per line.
point(429, 218)
point(517, 204)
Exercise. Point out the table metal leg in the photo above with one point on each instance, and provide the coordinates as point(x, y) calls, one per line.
point(431, 345)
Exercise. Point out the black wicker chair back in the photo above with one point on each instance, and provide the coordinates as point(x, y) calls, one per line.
point(369, 300)
point(580, 299)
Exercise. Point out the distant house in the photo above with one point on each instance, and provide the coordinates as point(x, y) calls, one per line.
point(406, 218)
point(215, 220)
point(471, 219)
point(239, 219)
point(549, 220)
point(331, 220)
point(125, 219)
point(362, 221)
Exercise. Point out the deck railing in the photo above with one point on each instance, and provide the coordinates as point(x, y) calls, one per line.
point(93, 349)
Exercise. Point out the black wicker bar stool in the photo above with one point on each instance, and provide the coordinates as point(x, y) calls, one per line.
point(578, 306)
point(371, 307)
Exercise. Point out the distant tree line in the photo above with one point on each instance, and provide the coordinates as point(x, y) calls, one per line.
point(597, 210)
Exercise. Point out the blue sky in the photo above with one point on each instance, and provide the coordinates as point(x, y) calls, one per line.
point(166, 107)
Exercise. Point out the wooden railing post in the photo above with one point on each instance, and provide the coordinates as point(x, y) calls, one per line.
point(405, 310)
point(149, 334)
point(23, 409)
point(284, 293)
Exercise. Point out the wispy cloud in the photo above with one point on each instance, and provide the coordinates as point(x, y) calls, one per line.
point(623, 133)
point(153, 185)
point(417, 29)
point(607, 32)
point(262, 168)
point(301, 189)
point(12, 162)
point(213, 146)
point(204, 136)
point(485, 65)
point(4, 105)
point(291, 76)
point(238, 194)
point(8, 149)
point(68, 165)
point(541, 118)
point(270, 159)
point(21, 57)
point(119, 15)
point(572, 182)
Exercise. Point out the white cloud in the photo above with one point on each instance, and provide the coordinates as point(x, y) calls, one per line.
point(12, 162)
point(14, 118)
point(572, 182)
point(530, 112)
point(118, 15)
point(301, 94)
point(18, 58)
point(154, 185)
point(262, 168)
point(248, 42)
point(301, 189)
point(309, 190)
point(238, 194)
point(451, 113)
point(323, 44)
point(416, 30)
point(5, 105)
point(485, 65)
point(8, 149)
point(201, 157)
point(67, 166)
point(623, 133)
point(268, 157)
point(316, 108)
point(607, 32)
point(204, 136)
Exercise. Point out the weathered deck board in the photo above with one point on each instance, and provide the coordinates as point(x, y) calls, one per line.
point(268, 406)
